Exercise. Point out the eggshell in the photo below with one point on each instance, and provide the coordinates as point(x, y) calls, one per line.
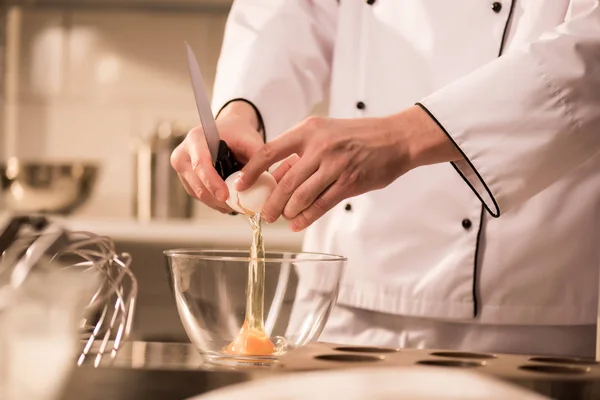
point(251, 200)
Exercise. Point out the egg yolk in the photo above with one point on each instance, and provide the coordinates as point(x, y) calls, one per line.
point(251, 342)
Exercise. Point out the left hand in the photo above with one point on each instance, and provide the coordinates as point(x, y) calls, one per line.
point(337, 159)
point(328, 160)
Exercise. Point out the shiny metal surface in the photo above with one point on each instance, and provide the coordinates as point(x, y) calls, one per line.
point(145, 384)
point(158, 192)
point(153, 370)
point(36, 246)
point(159, 356)
point(46, 187)
point(203, 104)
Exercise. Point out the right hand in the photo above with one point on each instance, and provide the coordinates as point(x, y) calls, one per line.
point(237, 124)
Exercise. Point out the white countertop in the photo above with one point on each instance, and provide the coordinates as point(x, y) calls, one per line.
point(226, 230)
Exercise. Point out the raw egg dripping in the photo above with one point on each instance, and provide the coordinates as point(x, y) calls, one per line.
point(252, 340)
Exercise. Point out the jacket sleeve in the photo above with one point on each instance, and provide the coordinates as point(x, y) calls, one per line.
point(529, 117)
point(276, 54)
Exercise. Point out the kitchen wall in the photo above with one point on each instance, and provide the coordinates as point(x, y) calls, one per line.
point(3, 30)
point(89, 81)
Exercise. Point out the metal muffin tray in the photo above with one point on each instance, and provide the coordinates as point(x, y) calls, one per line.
point(181, 371)
point(557, 378)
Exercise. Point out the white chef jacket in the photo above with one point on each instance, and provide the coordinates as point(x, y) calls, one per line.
point(508, 236)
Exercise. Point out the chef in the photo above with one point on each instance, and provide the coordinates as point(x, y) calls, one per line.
point(457, 169)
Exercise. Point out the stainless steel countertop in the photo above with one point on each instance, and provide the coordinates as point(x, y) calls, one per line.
point(151, 371)
point(157, 355)
point(176, 371)
point(165, 356)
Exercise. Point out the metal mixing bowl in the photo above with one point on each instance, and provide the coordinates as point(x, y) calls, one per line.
point(46, 187)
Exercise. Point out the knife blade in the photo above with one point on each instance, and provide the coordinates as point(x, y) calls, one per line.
point(223, 159)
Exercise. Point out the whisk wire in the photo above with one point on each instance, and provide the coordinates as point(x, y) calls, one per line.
point(109, 313)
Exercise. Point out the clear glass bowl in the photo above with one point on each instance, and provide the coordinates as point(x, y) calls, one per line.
point(210, 286)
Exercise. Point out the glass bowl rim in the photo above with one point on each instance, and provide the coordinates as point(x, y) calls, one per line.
point(212, 255)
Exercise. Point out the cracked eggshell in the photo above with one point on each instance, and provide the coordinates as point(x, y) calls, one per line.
point(253, 199)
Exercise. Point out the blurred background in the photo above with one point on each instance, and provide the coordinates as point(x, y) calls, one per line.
point(84, 79)
point(95, 94)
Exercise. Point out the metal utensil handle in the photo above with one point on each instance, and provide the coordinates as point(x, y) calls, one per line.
point(11, 232)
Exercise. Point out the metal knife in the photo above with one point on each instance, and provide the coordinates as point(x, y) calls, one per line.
point(223, 159)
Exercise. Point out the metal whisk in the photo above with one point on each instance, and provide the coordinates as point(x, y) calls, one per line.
point(108, 316)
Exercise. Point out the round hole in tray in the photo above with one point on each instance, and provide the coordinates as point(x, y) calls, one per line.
point(459, 354)
point(452, 363)
point(554, 369)
point(560, 360)
point(348, 358)
point(358, 349)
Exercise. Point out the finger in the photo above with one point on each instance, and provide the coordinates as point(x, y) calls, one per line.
point(286, 187)
point(283, 146)
point(214, 205)
point(202, 165)
point(306, 194)
point(180, 161)
point(328, 199)
point(284, 167)
point(187, 187)
point(193, 184)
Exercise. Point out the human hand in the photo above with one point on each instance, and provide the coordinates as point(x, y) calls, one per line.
point(336, 159)
point(191, 159)
point(341, 158)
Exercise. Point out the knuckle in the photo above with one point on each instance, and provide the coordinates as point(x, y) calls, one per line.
point(301, 219)
point(287, 185)
point(195, 132)
point(328, 146)
point(349, 147)
point(279, 172)
point(281, 169)
point(286, 165)
point(269, 210)
point(350, 178)
point(200, 193)
point(325, 145)
point(290, 211)
point(314, 122)
point(355, 177)
point(287, 214)
point(198, 164)
point(177, 159)
point(301, 197)
point(267, 151)
point(320, 206)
